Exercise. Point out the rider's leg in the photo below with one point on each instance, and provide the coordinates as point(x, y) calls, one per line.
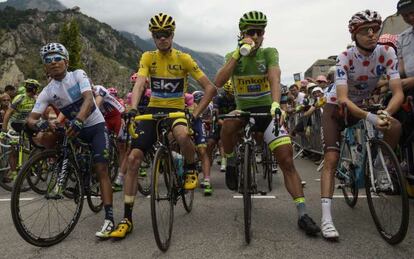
point(331, 141)
point(229, 139)
point(188, 150)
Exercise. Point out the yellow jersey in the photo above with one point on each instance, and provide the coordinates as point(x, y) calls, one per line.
point(168, 76)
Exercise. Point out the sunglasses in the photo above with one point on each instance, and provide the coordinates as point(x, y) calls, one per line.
point(48, 60)
point(160, 34)
point(252, 32)
point(367, 30)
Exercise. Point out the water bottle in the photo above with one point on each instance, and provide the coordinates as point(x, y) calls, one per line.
point(245, 49)
point(178, 162)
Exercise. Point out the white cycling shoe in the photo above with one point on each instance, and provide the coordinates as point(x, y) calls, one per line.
point(329, 231)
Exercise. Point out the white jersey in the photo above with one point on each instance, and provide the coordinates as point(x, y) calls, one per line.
point(361, 73)
point(66, 95)
point(110, 105)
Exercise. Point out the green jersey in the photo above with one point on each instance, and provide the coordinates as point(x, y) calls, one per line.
point(250, 81)
point(23, 105)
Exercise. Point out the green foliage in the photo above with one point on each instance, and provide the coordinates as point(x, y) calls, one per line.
point(70, 37)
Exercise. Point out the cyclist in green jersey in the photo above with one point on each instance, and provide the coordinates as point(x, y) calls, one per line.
point(20, 107)
point(256, 81)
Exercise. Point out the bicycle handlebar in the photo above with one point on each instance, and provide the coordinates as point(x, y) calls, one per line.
point(149, 117)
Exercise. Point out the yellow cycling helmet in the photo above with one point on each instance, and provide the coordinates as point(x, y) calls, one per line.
point(32, 84)
point(161, 22)
point(228, 87)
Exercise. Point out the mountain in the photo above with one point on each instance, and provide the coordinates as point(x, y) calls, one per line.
point(42, 5)
point(108, 57)
point(208, 62)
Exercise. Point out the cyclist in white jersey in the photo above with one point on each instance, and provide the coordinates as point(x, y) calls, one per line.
point(358, 71)
point(71, 93)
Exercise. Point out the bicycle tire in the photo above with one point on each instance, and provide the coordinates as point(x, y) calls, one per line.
point(269, 170)
point(398, 234)
point(349, 184)
point(247, 199)
point(113, 165)
point(93, 193)
point(144, 182)
point(162, 178)
point(27, 230)
point(4, 169)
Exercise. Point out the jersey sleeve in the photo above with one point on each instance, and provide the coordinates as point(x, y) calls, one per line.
point(341, 70)
point(391, 63)
point(16, 102)
point(192, 67)
point(101, 91)
point(42, 102)
point(144, 64)
point(83, 80)
point(272, 57)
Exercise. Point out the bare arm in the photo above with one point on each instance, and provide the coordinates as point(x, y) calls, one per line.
point(137, 91)
point(209, 92)
point(32, 119)
point(225, 72)
point(274, 79)
point(397, 96)
point(87, 105)
point(6, 119)
point(99, 100)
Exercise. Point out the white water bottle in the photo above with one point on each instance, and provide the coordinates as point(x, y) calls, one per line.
point(246, 48)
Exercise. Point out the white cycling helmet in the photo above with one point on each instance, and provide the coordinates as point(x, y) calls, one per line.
point(54, 48)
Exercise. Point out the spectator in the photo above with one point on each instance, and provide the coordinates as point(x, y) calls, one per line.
point(10, 90)
point(322, 81)
point(405, 45)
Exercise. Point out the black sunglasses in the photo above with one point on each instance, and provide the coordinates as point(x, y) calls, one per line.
point(252, 32)
point(159, 34)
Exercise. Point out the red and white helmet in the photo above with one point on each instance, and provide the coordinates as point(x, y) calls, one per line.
point(133, 78)
point(113, 91)
point(363, 17)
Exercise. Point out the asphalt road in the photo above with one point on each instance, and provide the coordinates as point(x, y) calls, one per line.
point(214, 229)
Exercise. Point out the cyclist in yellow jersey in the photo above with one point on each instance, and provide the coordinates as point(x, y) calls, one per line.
point(167, 70)
point(256, 81)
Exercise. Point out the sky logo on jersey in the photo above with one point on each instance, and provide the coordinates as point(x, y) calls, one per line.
point(167, 87)
point(74, 92)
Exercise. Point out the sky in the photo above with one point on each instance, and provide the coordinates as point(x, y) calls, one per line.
point(301, 30)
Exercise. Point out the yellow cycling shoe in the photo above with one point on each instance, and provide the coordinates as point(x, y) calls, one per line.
point(191, 180)
point(124, 228)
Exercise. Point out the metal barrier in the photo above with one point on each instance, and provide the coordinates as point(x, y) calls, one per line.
point(311, 137)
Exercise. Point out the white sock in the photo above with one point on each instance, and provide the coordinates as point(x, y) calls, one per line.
point(326, 209)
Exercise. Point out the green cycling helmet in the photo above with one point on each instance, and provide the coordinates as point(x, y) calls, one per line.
point(252, 18)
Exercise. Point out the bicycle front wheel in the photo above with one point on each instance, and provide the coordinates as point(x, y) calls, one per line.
point(45, 219)
point(162, 199)
point(386, 193)
point(347, 176)
point(247, 198)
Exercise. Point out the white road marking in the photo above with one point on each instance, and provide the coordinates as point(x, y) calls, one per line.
point(359, 196)
point(256, 196)
point(22, 199)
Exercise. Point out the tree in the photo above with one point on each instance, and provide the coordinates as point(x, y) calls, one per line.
point(70, 37)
